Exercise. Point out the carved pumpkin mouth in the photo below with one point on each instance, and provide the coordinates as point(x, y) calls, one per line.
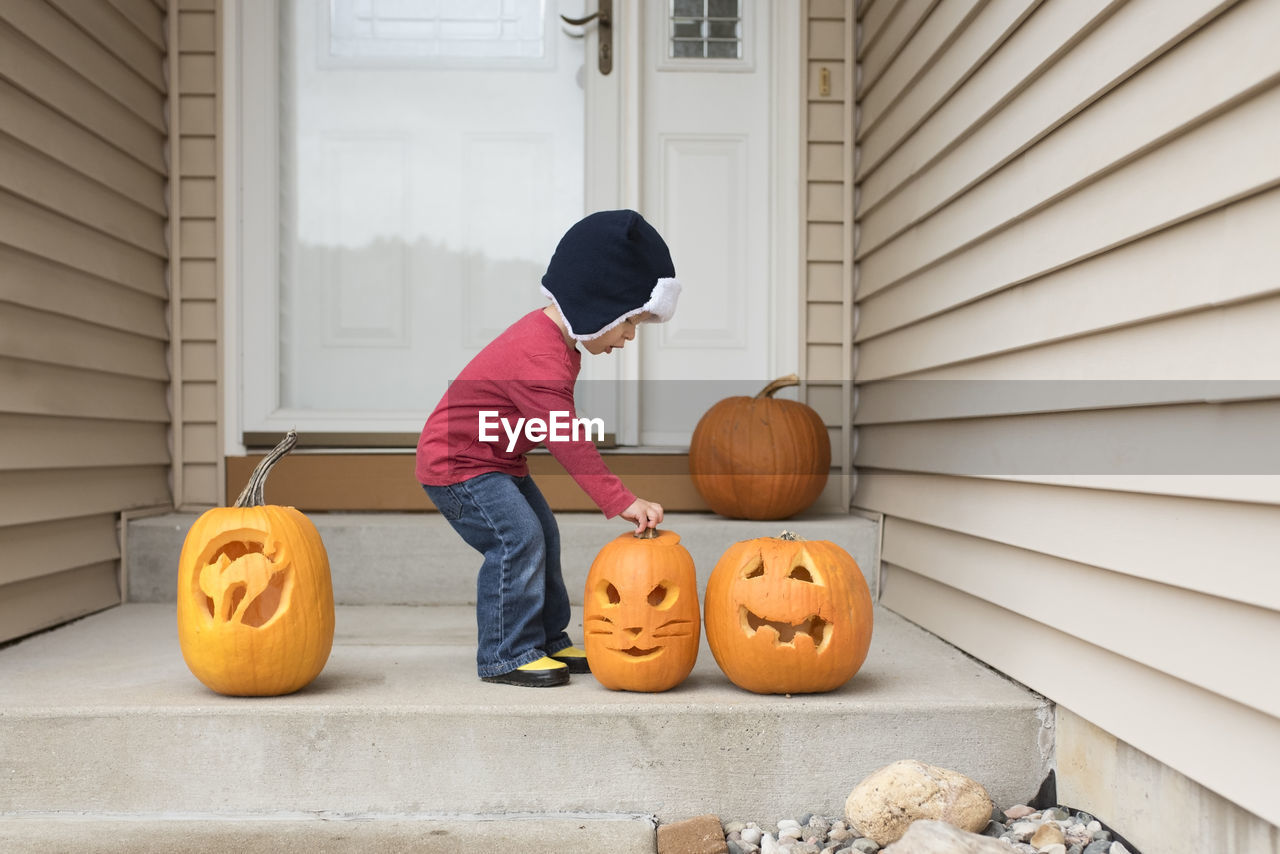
point(785, 633)
point(635, 653)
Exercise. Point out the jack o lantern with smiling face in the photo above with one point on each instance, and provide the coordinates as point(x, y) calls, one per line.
point(640, 615)
point(787, 616)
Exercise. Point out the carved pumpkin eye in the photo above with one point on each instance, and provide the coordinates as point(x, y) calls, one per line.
point(663, 596)
point(609, 594)
point(800, 573)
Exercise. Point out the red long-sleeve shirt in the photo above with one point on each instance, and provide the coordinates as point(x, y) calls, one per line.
point(527, 372)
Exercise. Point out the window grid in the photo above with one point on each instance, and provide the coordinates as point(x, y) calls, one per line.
point(437, 28)
point(705, 29)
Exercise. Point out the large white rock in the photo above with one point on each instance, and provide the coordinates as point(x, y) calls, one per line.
point(938, 837)
point(885, 804)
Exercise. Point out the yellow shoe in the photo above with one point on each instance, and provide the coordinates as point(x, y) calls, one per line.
point(543, 673)
point(575, 659)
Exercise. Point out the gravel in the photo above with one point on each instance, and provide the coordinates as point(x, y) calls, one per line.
point(1055, 830)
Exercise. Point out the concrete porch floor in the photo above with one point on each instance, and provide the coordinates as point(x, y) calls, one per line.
point(327, 835)
point(101, 720)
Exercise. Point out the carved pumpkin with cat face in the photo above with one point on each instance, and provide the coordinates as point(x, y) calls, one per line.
point(640, 613)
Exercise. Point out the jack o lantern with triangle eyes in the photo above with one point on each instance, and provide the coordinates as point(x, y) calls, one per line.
point(640, 613)
point(788, 616)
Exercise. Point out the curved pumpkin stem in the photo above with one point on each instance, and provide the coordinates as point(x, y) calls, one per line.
point(777, 385)
point(790, 536)
point(252, 495)
point(648, 534)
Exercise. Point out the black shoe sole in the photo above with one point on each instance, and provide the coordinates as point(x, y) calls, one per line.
point(575, 665)
point(531, 678)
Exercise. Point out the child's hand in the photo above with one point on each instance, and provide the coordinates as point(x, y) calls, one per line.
point(646, 514)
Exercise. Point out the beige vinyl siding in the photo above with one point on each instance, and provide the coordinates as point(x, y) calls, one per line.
point(1088, 191)
point(827, 208)
point(83, 294)
point(196, 357)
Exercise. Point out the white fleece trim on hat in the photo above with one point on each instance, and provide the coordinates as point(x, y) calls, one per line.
point(661, 304)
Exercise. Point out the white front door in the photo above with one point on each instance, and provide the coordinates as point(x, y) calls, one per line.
point(407, 166)
point(711, 163)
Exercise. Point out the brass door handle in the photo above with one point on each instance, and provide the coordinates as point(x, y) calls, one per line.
point(582, 22)
point(604, 32)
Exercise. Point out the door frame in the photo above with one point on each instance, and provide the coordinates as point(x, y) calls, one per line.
point(613, 178)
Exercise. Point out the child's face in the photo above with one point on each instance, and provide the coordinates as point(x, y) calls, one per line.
point(616, 338)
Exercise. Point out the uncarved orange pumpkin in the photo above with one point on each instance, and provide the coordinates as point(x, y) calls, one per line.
point(760, 457)
point(255, 598)
point(640, 612)
point(788, 616)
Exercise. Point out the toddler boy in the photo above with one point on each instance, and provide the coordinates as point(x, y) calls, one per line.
point(610, 271)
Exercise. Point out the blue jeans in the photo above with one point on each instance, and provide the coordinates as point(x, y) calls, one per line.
point(522, 606)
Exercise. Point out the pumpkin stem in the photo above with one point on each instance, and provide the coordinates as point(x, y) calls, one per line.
point(779, 384)
point(648, 534)
point(790, 536)
point(252, 495)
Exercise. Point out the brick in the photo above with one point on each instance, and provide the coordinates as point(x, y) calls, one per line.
point(701, 835)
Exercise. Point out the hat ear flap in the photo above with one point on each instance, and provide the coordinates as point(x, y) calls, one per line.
point(662, 302)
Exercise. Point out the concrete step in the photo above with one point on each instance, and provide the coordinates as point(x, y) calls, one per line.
point(417, 559)
point(102, 718)
point(95, 834)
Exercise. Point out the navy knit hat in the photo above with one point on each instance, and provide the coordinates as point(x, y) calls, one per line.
point(608, 267)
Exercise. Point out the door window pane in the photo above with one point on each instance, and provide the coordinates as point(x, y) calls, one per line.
point(706, 29)
point(419, 201)
point(429, 30)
